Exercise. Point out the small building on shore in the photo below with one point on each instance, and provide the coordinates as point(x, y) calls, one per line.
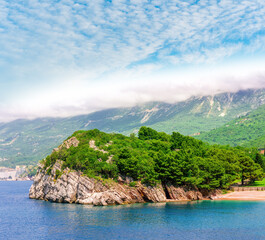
point(11, 174)
point(7, 173)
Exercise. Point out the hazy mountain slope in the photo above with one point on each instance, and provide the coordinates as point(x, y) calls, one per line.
point(204, 113)
point(25, 141)
point(248, 130)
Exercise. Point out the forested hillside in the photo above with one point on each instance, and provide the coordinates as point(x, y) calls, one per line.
point(156, 157)
point(248, 131)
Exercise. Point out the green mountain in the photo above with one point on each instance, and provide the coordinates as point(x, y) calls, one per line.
point(248, 131)
point(27, 141)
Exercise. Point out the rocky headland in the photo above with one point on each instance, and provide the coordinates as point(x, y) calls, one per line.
point(97, 168)
point(74, 187)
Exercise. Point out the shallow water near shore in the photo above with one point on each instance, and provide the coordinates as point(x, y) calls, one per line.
point(23, 218)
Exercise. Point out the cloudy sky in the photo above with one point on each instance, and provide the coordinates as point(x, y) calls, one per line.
point(66, 57)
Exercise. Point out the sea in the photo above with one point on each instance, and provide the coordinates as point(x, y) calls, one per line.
point(24, 218)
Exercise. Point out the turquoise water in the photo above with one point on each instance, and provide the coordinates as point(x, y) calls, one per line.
point(22, 218)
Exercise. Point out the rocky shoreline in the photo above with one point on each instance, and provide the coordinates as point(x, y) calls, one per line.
point(74, 187)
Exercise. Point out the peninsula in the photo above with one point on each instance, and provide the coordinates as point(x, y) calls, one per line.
point(93, 167)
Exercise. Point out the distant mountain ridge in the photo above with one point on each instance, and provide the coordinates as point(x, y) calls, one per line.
point(27, 141)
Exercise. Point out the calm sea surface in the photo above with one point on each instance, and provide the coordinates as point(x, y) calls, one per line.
point(22, 218)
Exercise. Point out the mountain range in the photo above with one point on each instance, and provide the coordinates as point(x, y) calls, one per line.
point(26, 141)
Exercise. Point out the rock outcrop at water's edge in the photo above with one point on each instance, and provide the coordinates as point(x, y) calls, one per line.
point(73, 187)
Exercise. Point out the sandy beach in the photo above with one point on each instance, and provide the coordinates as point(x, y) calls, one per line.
point(244, 195)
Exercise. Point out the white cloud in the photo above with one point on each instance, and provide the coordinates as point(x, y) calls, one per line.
point(133, 86)
point(83, 48)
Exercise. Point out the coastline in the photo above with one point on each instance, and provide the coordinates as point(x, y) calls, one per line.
point(243, 196)
point(233, 196)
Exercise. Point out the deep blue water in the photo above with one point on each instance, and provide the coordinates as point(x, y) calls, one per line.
point(22, 218)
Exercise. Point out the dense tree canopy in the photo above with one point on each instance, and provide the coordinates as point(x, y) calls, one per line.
point(155, 157)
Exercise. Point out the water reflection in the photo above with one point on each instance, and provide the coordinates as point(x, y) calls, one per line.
point(147, 213)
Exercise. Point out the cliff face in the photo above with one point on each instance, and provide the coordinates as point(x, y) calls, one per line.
point(73, 187)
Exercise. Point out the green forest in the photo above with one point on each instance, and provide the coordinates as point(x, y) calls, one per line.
point(245, 131)
point(155, 157)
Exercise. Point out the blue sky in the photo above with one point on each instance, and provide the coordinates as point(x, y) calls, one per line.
point(60, 58)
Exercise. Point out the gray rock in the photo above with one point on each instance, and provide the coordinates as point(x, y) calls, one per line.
point(73, 187)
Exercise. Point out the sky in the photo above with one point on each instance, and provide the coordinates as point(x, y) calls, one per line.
point(63, 58)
